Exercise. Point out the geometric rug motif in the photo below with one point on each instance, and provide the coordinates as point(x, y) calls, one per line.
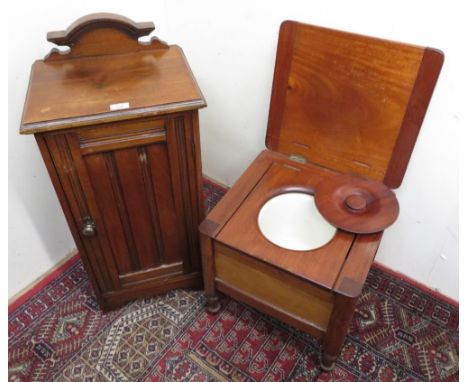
point(398, 333)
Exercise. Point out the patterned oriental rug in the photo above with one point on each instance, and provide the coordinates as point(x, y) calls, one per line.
point(399, 333)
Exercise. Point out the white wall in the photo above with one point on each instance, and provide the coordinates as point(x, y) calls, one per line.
point(231, 48)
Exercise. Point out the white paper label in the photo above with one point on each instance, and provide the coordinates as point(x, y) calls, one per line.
point(119, 106)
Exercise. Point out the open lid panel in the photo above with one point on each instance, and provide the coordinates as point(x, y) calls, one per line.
point(347, 102)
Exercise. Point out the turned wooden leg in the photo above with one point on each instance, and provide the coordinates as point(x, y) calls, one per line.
point(338, 326)
point(212, 300)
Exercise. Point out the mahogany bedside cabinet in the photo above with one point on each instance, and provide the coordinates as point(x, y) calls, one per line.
point(116, 122)
point(345, 110)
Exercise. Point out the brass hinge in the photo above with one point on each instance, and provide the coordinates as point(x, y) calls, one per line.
point(298, 158)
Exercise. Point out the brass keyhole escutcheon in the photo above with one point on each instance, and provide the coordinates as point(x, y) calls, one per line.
point(89, 227)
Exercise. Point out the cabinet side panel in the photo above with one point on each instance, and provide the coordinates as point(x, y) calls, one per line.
point(182, 150)
point(180, 186)
point(192, 145)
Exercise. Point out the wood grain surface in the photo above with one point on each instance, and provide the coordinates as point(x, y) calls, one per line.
point(241, 232)
point(84, 25)
point(283, 291)
point(349, 102)
point(108, 75)
point(129, 181)
point(341, 103)
point(356, 204)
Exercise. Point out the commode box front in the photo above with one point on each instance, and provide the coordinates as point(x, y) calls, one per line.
point(116, 122)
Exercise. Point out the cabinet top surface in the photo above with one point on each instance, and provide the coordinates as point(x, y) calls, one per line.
point(85, 87)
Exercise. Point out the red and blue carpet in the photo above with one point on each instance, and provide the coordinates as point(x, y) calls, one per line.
point(399, 333)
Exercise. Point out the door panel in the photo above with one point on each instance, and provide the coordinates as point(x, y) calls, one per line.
point(111, 206)
point(171, 217)
point(135, 190)
point(134, 197)
point(80, 207)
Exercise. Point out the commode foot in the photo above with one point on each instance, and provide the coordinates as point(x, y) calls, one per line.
point(213, 305)
point(327, 362)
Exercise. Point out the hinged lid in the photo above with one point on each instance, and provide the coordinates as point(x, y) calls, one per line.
point(107, 75)
point(347, 102)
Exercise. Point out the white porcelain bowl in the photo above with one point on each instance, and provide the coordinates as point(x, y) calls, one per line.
point(292, 221)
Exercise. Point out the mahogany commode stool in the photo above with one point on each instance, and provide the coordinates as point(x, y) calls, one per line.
point(341, 104)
